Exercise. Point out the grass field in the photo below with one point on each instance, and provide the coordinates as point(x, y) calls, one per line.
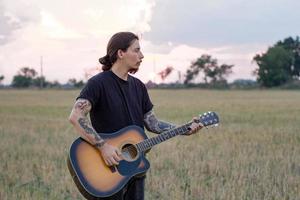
point(252, 155)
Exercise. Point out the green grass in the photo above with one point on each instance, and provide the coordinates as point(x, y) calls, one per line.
point(253, 154)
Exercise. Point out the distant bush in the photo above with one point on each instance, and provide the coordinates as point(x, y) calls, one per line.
point(293, 84)
point(244, 84)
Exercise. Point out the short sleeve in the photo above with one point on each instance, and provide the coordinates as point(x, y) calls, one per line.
point(147, 104)
point(91, 92)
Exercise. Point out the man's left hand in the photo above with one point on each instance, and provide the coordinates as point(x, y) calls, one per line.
point(194, 127)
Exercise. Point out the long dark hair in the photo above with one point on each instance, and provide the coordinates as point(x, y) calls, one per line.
point(119, 41)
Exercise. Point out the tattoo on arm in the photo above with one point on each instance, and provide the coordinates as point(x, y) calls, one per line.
point(154, 125)
point(86, 125)
point(84, 107)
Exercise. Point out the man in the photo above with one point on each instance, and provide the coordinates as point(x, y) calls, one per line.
point(115, 99)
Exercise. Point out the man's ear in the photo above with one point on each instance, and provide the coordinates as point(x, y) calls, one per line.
point(120, 53)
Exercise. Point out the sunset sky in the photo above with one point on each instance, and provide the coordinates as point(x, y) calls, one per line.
point(71, 35)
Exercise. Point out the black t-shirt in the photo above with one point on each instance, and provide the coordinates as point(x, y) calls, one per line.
point(116, 103)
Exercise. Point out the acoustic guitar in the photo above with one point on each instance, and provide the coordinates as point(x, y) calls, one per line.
point(95, 179)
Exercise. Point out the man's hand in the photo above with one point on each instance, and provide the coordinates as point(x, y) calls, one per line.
point(195, 127)
point(110, 154)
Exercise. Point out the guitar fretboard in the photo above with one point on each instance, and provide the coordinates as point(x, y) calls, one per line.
point(207, 119)
point(150, 142)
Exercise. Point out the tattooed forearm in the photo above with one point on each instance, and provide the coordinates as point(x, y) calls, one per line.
point(154, 125)
point(85, 124)
point(81, 122)
point(87, 127)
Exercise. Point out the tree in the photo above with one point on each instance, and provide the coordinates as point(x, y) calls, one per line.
point(24, 77)
point(54, 84)
point(274, 66)
point(165, 72)
point(280, 64)
point(40, 82)
point(1, 78)
point(293, 46)
point(213, 73)
point(28, 72)
point(75, 83)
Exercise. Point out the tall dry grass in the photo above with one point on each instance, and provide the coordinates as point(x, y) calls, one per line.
point(253, 154)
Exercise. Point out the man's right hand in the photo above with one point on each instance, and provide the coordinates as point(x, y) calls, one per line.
point(110, 154)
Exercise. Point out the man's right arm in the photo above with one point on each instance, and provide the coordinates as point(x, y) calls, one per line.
point(82, 124)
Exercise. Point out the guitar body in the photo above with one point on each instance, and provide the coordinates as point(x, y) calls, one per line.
point(93, 177)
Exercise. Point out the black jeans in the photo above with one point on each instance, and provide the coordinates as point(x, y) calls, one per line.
point(133, 190)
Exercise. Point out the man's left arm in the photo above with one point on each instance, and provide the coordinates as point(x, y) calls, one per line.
point(155, 125)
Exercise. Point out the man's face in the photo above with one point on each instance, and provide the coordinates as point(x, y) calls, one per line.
point(132, 58)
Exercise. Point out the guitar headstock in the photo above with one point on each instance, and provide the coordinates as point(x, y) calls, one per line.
point(209, 118)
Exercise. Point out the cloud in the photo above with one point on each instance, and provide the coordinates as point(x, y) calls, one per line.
point(88, 19)
point(7, 25)
point(99, 18)
point(14, 16)
point(219, 22)
point(54, 29)
point(69, 42)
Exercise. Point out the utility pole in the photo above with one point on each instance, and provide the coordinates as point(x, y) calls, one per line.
point(41, 78)
point(179, 76)
point(154, 66)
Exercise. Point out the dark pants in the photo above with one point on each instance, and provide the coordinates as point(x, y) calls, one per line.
point(134, 190)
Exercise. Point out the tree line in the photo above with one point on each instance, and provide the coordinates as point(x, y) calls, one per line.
point(28, 77)
point(278, 66)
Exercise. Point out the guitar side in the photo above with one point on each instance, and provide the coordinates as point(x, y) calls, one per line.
point(89, 171)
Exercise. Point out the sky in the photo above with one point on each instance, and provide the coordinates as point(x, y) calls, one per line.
point(69, 36)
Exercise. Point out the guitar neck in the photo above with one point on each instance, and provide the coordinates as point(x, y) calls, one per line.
point(150, 142)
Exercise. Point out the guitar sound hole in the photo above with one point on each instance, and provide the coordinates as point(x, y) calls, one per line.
point(129, 152)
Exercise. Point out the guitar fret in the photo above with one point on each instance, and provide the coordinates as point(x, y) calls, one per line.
point(172, 133)
point(156, 140)
point(137, 146)
point(181, 130)
point(161, 138)
point(175, 132)
point(140, 147)
point(148, 143)
point(166, 136)
point(144, 145)
point(151, 142)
